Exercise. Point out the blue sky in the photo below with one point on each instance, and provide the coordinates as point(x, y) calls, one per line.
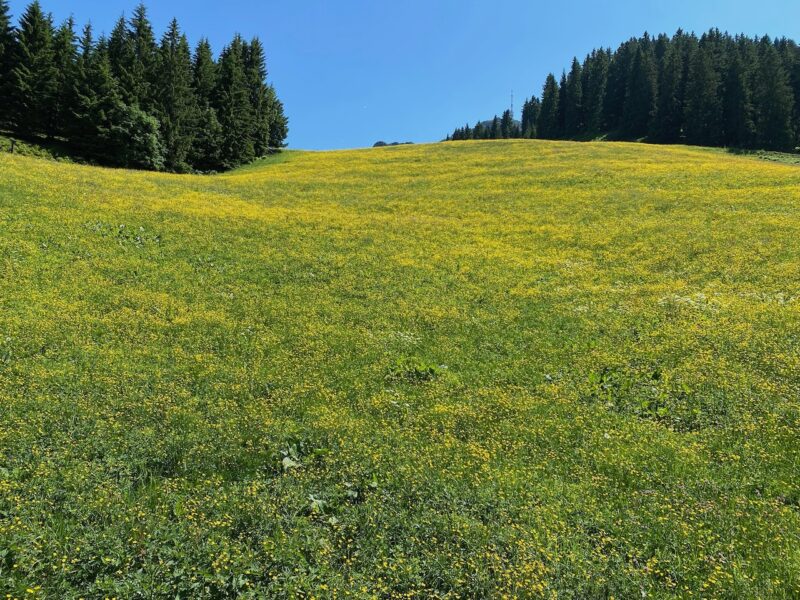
point(352, 72)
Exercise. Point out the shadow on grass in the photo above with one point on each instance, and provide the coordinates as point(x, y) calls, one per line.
point(786, 158)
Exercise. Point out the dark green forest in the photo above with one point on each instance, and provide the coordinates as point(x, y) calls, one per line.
point(130, 100)
point(715, 90)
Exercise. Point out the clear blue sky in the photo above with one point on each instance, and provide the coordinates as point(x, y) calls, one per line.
point(351, 72)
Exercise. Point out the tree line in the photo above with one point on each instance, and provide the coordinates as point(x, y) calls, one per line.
point(715, 90)
point(129, 100)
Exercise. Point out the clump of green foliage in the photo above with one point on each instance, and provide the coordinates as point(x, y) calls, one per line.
point(129, 100)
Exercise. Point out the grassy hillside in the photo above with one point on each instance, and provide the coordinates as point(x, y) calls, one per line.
point(469, 370)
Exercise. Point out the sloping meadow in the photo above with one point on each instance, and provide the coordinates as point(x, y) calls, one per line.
point(520, 368)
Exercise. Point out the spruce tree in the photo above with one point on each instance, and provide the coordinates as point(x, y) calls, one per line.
point(205, 153)
point(120, 57)
point(204, 73)
point(8, 53)
point(703, 106)
point(177, 105)
point(669, 112)
point(278, 122)
point(142, 70)
point(65, 56)
point(234, 110)
point(548, 116)
point(790, 52)
point(618, 75)
point(530, 118)
point(256, 74)
point(737, 106)
point(640, 96)
point(507, 124)
point(562, 104)
point(96, 101)
point(495, 131)
point(573, 96)
point(594, 92)
point(774, 101)
point(33, 76)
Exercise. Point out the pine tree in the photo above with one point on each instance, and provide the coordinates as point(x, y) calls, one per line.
point(234, 110)
point(204, 71)
point(133, 55)
point(96, 100)
point(121, 58)
point(142, 70)
point(206, 152)
point(774, 101)
point(562, 104)
point(737, 106)
point(548, 116)
point(790, 52)
point(507, 124)
point(256, 74)
point(33, 76)
point(278, 122)
point(640, 97)
point(618, 75)
point(177, 105)
point(8, 53)
point(495, 132)
point(703, 106)
point(668, 123)
point(573, 96)
point(65, 56)
point(530, 118)
point(594, 92)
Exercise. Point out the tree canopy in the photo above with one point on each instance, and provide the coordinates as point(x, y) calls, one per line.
point(712, 90)
point(131, 100)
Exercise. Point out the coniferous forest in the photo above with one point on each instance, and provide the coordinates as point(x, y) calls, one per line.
point(716, 90)
point(129, 100)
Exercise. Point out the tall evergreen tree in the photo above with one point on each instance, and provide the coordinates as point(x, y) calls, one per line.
point(573, 101)
point(8, 52)
point(96, 100)
point(278, 122)
point(618, 75)
point(233, 105)
point(640, 97)
point(175, 97)
point(668, 124)
point(256, 74)
point(507, 124)
point(205, 153)
point(65, 56)
point(548, 116)
point(562, 104)
point(495, 131)
point(774, 101)
point(33, 76)
point(594, 92)
point(737, 106)
point(142, 70)
point(204, 73)
point(121, 58)
point(790, 53)
point(703, 106)
point(530, 118)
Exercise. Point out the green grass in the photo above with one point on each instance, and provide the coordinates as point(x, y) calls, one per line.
point(511, 368)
